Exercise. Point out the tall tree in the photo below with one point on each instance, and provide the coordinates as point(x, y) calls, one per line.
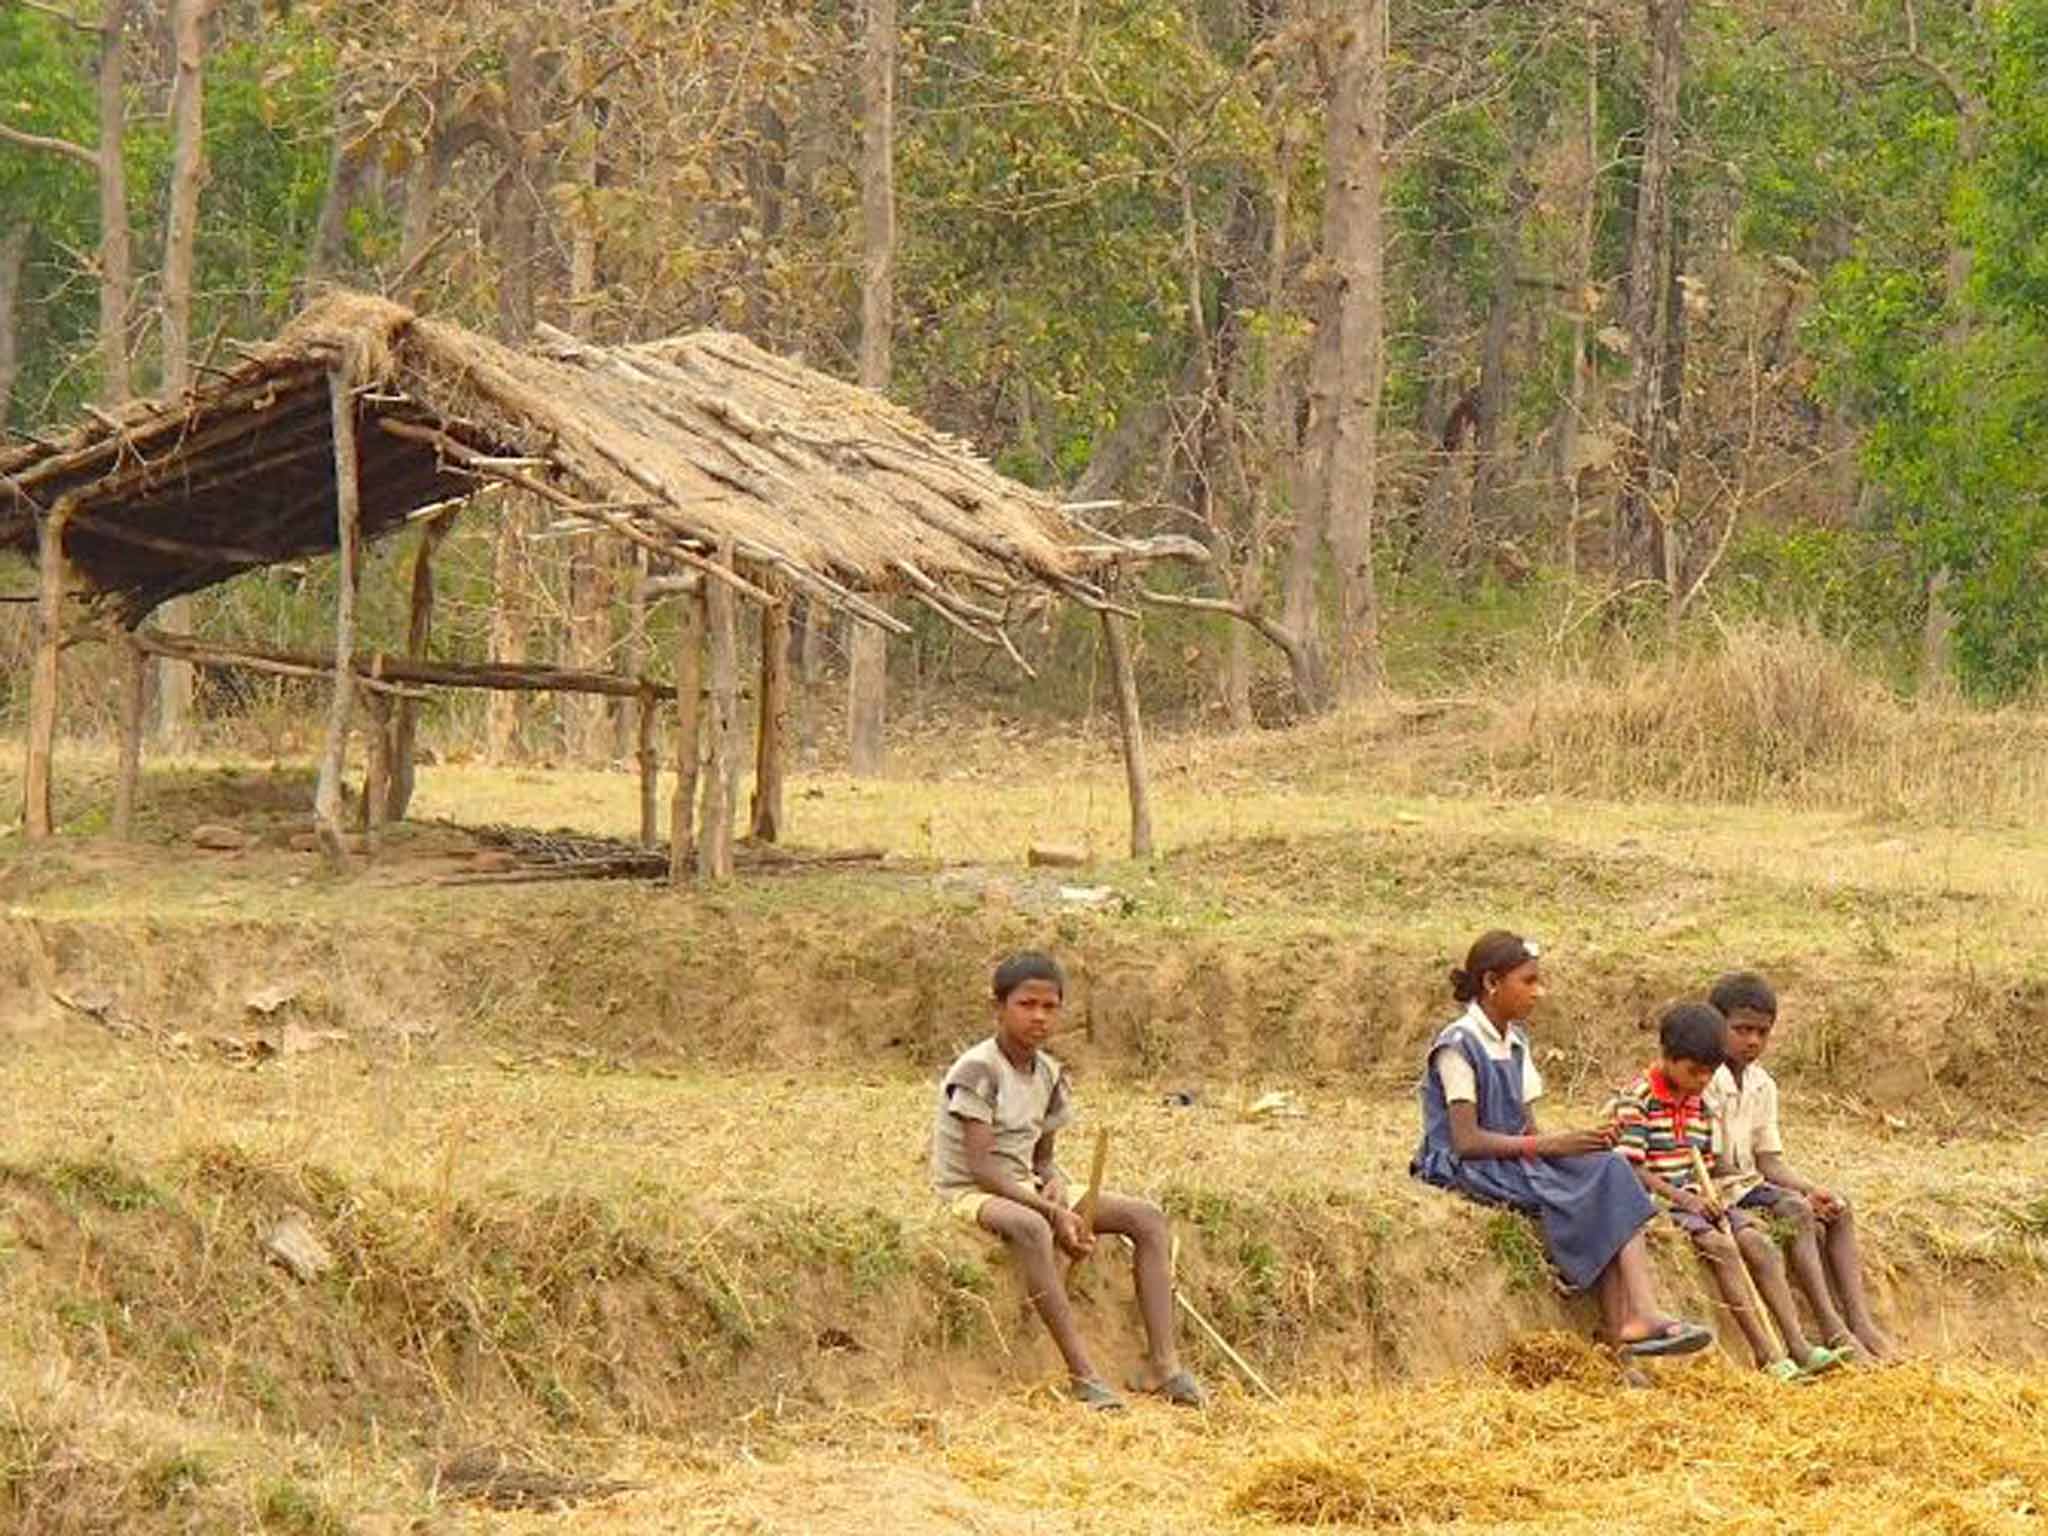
point(181, 229)
point(1644, 505)
point(1350, 341)
point(867, 673)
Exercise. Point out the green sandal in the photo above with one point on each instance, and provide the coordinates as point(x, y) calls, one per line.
point(1784, 1368)
point(1822, 1359)
point(1090, 1393)
point(1181, 1389)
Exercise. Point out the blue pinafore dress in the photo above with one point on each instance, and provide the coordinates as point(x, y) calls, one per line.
point(1590, 1206)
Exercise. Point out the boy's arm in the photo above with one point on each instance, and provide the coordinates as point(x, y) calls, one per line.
point(1772, 1166)
point(1632, 1141)
point(1046, 1166)
point(978, 1141)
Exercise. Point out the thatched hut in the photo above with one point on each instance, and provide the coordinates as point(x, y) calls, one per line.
point(742, 476)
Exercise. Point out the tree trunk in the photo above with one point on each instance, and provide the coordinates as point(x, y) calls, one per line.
point(593, 561)
point(114, 257)
point(867, 681)
point(181, 230)
point(1645, 490)
point(1578, 383)
point(13, 257)
point(1489, 448)
point(128, 771)
point(1354, 310)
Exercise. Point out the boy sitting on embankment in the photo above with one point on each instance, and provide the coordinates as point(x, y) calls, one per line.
point(1001, 1105)
point(1742, 1098)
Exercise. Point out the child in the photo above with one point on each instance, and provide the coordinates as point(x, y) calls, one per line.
point(1479, 1138)
point(1000, 1107)
point(1661, 1123)
point(1743, 1100)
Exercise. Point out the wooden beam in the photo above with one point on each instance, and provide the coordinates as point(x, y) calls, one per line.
point(689, 746)
point(771, 731)
point(397, 671)
point(1124, 679)
point(714, 821)
point(347, 526)
point(419, 630)
point(134, 673)
point(52, 577)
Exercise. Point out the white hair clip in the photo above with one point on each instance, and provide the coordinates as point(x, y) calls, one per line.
point(1531, 948)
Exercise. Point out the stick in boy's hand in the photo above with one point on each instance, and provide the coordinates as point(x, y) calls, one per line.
point(1084, 1211)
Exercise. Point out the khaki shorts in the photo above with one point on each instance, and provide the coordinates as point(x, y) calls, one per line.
point(966, 1205)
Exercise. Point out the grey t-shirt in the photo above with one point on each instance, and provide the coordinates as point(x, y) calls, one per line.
point(1019, 1105)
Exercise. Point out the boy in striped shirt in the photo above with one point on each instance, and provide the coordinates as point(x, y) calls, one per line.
point(1661, 1121)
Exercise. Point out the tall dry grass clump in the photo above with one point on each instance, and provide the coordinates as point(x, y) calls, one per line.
point(1758, 714)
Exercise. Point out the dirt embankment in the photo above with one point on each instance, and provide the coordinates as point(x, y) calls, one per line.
point(892, 969)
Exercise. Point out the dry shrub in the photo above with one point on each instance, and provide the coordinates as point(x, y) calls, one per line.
point(1765, 714)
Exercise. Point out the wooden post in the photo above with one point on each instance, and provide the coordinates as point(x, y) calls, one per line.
point(53, 573)
point(650, 768)
point(772, 731)
point(1125, 680)
point(134, 675)
point(682, 846)
point(419, 630)
point(714, 819)
point(327, 795)
point(377, 764)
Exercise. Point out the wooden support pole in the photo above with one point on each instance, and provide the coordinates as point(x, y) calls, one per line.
point(419, 630)
point(650, 768)
point(771, 733)
point(52, 577)
point(1124, 679)
point(682, 845)
point(134, 675)
point(347, 525)
point(715, 815)
point(377, 768)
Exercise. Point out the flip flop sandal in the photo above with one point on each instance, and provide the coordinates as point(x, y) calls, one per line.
point(1677, 1338)
point(1181, 1389)
point(1785, 1369)
point(1824, 1359)
point(1096, 1395)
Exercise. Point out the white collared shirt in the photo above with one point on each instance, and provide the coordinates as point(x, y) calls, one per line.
point(1745, 1125)
point(1460, 1082)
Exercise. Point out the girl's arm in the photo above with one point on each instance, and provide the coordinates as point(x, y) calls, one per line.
point(1472, 1143)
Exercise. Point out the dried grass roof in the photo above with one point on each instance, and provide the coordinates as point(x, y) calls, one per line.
point(677, 445)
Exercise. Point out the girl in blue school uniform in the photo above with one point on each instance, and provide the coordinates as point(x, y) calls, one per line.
point(1480, 1139)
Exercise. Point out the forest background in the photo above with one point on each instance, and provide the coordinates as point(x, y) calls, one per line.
point(1468, 337)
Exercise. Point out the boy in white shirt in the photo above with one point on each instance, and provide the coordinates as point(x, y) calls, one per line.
point(1753, 1175)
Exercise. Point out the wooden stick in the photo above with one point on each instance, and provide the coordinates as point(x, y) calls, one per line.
point(771, 726)
point(1131, 728)
point(347, 519)
point(682, 842)
point(650, 767)
point(715, 816)
point(52, 572)
point(419, 630)
point(1223, 1344)
point(1756, 1297)
point(133, 676)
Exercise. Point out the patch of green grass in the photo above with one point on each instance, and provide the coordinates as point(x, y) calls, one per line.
point(1517, 1246)
point(102, 1183)
point(172, 1477)
point(286, 1506)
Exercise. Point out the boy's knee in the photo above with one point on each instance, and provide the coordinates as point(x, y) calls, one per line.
point(1757, 1247)
point(1795, 1210)
point(1713, 1245)
point(1026, 1231)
